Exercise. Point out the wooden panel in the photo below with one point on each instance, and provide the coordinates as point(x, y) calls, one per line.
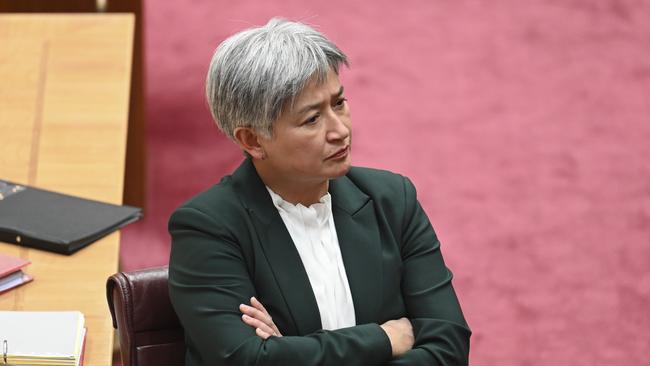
point(135, 169)
point(63, 117)
point(20, 94)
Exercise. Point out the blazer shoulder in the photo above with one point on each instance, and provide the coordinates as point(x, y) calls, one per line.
point(219, 203)
point(379, 183)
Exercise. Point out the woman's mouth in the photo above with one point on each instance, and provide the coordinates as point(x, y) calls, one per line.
point(340, 154)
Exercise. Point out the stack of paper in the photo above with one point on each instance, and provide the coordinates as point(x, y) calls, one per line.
point(11, 274)
point(47, 338)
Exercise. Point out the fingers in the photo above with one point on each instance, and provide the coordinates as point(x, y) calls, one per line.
point(258, 305)
point(257, 317)
point(262, 334)
point(258, 325)
point(256, 313)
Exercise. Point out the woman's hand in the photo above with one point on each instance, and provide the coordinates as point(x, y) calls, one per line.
point(257, 317)
point(400, 333)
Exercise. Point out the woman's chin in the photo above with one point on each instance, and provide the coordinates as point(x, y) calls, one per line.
point(340, 170)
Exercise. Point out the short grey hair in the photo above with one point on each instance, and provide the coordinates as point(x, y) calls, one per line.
point(256, 73)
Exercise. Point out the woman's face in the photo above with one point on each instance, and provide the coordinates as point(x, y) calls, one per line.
point(311, 140)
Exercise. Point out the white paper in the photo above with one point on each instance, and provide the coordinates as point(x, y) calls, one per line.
point(37, 334)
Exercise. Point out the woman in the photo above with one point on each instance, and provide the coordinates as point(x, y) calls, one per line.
point(297, 258)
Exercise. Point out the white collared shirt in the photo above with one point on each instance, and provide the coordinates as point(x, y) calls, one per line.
point(314, 235)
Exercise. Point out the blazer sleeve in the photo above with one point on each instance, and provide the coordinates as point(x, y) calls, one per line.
point(208, 279)
point(441, 332)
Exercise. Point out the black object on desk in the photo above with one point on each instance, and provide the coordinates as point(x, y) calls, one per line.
point(57, 222)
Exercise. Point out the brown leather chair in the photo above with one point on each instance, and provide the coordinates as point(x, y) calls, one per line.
point(148, 328)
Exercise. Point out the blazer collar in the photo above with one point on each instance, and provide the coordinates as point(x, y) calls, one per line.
point(253, 194)
point(359, 240)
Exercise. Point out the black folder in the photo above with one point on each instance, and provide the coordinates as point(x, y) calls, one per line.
point(57, 222)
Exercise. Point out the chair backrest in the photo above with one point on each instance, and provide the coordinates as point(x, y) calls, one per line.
point(148, 328)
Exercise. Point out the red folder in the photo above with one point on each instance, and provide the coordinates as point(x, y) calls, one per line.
point(11, 274)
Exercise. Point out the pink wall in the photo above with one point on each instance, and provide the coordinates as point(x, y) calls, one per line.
point(524, 125)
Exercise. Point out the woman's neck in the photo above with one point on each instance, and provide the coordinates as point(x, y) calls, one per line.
point(292, 190)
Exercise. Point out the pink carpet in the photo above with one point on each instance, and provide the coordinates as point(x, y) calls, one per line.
point(524, 125)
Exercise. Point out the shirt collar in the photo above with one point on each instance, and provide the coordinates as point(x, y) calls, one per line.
point(323, 208)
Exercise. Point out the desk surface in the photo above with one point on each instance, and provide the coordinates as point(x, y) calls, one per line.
point(64, 100)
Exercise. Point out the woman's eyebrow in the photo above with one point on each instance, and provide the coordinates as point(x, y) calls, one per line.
point(338, 94)
point(315, 105)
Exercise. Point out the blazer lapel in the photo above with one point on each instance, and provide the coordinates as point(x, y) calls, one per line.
point(279, 250)
point(359, 240)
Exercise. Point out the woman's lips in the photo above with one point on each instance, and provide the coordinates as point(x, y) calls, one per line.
point(339, 154)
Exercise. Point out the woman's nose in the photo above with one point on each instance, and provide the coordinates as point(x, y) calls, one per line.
point(339, 129)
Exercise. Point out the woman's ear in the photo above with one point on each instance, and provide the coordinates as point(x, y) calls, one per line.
point(249, 140)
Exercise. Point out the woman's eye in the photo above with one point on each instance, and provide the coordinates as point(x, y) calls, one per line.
point(311, 120)
point(340, 102)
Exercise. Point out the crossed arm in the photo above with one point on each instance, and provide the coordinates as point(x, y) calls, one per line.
point(399, 332)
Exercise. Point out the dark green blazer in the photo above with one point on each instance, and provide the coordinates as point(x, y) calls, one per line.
point(229, 243)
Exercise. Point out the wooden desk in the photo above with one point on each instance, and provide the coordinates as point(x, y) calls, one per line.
point(64, 96)
point(135, 177)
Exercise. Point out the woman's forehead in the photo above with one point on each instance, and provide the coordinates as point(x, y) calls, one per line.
point(316, 91)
